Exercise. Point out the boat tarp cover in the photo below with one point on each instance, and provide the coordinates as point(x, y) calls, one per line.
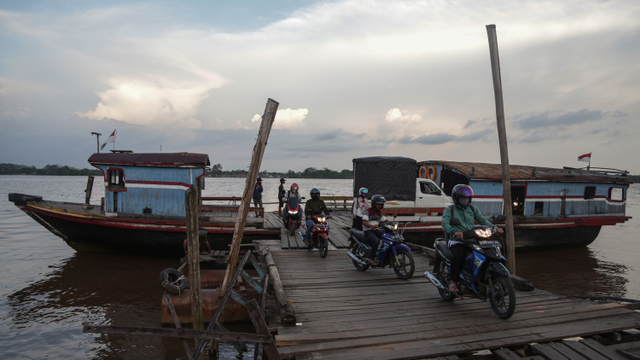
point(151, 159)
point(393, 177)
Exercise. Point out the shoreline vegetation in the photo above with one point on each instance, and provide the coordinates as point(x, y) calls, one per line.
point(214, 171)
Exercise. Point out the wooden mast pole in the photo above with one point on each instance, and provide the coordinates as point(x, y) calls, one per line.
point(504, 152)
point(252, 176)
point(193, 258)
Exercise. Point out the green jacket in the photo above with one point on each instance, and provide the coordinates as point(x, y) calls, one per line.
point(468, 217)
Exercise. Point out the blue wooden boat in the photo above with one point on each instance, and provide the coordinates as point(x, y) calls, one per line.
point(551, 207)
point(143, 208)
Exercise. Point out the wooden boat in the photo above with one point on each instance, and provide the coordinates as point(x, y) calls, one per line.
point(143, 208)
point(551, 207)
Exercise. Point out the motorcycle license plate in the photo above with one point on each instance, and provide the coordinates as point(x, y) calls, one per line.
point(489, 244)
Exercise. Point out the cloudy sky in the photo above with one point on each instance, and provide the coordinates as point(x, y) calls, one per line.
point(353, 78)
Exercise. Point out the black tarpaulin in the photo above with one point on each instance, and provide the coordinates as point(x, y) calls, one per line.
point(393, 177)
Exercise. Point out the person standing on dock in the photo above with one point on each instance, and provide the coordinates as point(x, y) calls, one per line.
point(281, 193)
point(257, 195)
point(359, 207)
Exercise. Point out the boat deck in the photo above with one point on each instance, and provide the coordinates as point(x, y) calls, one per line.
point(343, 313)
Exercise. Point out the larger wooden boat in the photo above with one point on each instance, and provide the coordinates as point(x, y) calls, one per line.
point(143, 208)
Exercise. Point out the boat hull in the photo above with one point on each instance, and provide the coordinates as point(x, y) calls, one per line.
point(92, 231)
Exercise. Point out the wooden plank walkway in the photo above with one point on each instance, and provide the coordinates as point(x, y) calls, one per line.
point(338, 236)
point(343, 313)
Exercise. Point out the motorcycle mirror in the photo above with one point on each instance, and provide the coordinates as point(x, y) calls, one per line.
point(455, 222)
point(500, 219)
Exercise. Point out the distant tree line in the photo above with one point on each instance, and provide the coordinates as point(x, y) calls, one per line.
point(13, 169)
point(216, 170)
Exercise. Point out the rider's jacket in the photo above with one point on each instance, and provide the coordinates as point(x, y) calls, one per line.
point(359, 206)
point(315, 207)
point(372, 212)
point(468, 217)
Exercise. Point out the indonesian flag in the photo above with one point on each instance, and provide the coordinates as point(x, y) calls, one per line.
point(110, 139)
point(585, 158)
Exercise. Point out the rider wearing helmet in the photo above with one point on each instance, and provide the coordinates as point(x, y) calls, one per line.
point(359, 207)
point(468, 215)
point(314, 206)
point(292, 192)
point(371, 233)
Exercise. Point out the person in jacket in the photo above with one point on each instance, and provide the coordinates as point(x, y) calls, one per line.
point(314, 206)
point(468, 215)
point(371, 233)
point(292, 192)
point(359, 207)
point(257, 194)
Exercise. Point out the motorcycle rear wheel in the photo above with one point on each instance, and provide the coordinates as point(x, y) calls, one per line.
point(445, 278)
point(404, 270)
point(357, 251)
point(323, 247)
point(502, 296)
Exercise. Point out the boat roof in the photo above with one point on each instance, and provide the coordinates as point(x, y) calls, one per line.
point(493, 172)
point(152, 159)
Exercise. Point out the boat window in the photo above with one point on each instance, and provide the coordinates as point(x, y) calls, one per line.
point(538, 208)
point(589, 192)
point(616, 194)
point(115, 179)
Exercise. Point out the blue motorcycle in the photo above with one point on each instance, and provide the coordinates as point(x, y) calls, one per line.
point(391, 251)
point(484, 275)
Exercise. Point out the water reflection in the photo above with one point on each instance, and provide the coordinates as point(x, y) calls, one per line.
point(572, 272)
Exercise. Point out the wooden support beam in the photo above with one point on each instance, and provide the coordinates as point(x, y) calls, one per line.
point(193, 245)
point(287, 315)
point(179, 333)
point(504, 151)
point(252, 176)
point(172, 310)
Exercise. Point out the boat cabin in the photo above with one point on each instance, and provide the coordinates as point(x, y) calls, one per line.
point(149, 183)
point(535, 191)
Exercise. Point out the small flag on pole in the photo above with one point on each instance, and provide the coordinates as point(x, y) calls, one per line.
point(110, 139)
point(585, 158)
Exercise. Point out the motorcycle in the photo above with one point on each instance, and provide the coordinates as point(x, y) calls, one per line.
point(319, 234)
point(391, 251)
point(484, 275)
point(292, 215)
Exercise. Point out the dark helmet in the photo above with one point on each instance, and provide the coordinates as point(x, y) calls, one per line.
point(462, 190)
point(259, 179)
point(315, 194)
point(378, 200)
point(363, 192)
point(282, 180)
point(294, 187)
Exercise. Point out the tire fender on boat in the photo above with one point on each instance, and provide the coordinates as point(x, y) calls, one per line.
point(172, 281)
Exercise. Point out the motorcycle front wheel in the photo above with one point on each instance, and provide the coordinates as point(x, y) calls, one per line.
point(292, 229)
point(405, 265)
point(357, 251)
point(502, 296)
point(442, 273)
point(323, 246)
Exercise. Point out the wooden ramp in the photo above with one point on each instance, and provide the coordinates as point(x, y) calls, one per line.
point(343, 313)
point(338, 236)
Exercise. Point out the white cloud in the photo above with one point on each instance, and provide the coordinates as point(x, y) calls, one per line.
point(286, 118)
point(397, 115)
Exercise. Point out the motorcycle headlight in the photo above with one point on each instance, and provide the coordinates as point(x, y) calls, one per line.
point(321, 218)
point(395, 227)
point(484, 233)
point(292, 212)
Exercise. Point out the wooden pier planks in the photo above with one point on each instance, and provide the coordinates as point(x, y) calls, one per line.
point(349, 314)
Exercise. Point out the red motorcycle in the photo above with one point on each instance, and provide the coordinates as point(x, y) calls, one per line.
point(319, 234)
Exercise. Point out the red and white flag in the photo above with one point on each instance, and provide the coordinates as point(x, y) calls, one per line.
point(110, 139)
point(585, 158)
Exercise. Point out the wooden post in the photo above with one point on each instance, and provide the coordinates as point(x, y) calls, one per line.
point(252, 176)
point(504, 153)
point(193, 246)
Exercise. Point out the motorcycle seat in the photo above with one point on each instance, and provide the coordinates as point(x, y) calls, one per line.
point(357, 234)
point(442, 246)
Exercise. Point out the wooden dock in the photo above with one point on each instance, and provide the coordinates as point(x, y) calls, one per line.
point(338, 235)
point(343, 313)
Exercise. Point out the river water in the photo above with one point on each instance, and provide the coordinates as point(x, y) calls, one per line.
point(47, 290)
